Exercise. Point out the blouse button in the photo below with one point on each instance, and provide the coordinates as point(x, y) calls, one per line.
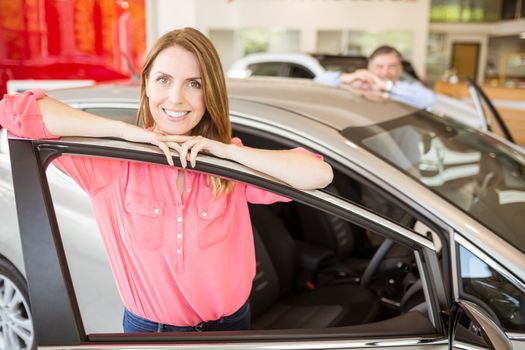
point(189, 189)
point(179, 235)
point(179, 219)
point(204, 214)
point(156, 211)
point(179, 251)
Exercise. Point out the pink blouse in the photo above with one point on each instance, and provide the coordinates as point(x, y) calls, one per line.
point(177, 258)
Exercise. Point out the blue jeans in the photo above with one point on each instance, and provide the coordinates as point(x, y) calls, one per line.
point(239, 320)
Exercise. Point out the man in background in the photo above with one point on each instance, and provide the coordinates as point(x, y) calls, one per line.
point(382, 80)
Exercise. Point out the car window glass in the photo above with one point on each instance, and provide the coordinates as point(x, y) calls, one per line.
point(3, 141)
point(350, 187)
point(128, 115)
point(270, 69)
point(315, 269)
point(491, 289)
point(297, 71)
point(480, 175)
point(88, 263)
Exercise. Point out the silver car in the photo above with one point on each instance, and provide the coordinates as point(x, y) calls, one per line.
point(417, 244)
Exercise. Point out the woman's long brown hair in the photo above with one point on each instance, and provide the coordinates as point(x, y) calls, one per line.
point(215, 124)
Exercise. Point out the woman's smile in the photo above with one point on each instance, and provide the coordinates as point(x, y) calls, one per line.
point(175, 115)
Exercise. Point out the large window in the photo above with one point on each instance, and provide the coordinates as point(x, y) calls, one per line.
point(365, 42)
point(465, 11)
point(437, 58)
point(252, 40)
point(476, 10)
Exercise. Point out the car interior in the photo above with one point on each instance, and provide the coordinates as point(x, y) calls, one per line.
point(316, 270)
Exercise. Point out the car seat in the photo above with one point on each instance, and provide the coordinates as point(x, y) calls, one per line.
point(350, 242)
point(274, 300)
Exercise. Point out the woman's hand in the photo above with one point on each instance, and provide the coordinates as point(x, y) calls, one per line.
point(190, 146)
point(137, 134)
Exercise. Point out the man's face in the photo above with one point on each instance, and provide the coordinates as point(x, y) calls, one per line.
point(386, 66)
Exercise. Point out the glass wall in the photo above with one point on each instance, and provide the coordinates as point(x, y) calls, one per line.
point(363, 43)
point(506, 61)
point(437, 59)
point(476, 10)
point(465, 10)
point(508, 9)
point(234, 44)
point(254, 40)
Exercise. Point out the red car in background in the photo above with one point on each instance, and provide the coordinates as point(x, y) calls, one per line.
point(99, 40)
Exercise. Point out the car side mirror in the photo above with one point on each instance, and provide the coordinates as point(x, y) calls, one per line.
point(481, 324)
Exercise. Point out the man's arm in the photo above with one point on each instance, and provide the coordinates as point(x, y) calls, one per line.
point(413, 94)
point(331, 78)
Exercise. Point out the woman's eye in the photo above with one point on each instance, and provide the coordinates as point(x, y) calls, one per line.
point(195, 84)
point(162, 80)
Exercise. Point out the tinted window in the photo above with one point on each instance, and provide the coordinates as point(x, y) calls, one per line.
point(271, 69)
point(477, 173)
point(300, 72)
point(485, 284)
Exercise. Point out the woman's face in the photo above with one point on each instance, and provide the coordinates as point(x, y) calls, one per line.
point(174, 89)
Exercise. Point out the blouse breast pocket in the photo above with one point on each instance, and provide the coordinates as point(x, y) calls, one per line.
point(213, 226)
point(146, 221)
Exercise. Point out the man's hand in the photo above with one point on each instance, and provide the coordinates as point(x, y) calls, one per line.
point(363, 79)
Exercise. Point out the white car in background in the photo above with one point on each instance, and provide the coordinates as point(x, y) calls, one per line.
point(293, 65)
point(301, 65)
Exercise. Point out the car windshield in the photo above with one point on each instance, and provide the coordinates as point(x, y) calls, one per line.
point(476, 172)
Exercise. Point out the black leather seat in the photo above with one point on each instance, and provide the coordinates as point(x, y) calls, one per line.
point(335, 234)
point(277, 304)
point(346, 240)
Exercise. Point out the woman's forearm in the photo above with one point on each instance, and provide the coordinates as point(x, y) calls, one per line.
point(298, 169)
point(63, 120)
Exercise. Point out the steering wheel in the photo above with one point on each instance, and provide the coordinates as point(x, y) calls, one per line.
point(380, 254)
point(376, 260)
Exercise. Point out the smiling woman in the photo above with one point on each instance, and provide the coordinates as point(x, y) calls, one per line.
point(184, 108)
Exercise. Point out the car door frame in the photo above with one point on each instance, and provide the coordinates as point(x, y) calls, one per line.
point(63, 326)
